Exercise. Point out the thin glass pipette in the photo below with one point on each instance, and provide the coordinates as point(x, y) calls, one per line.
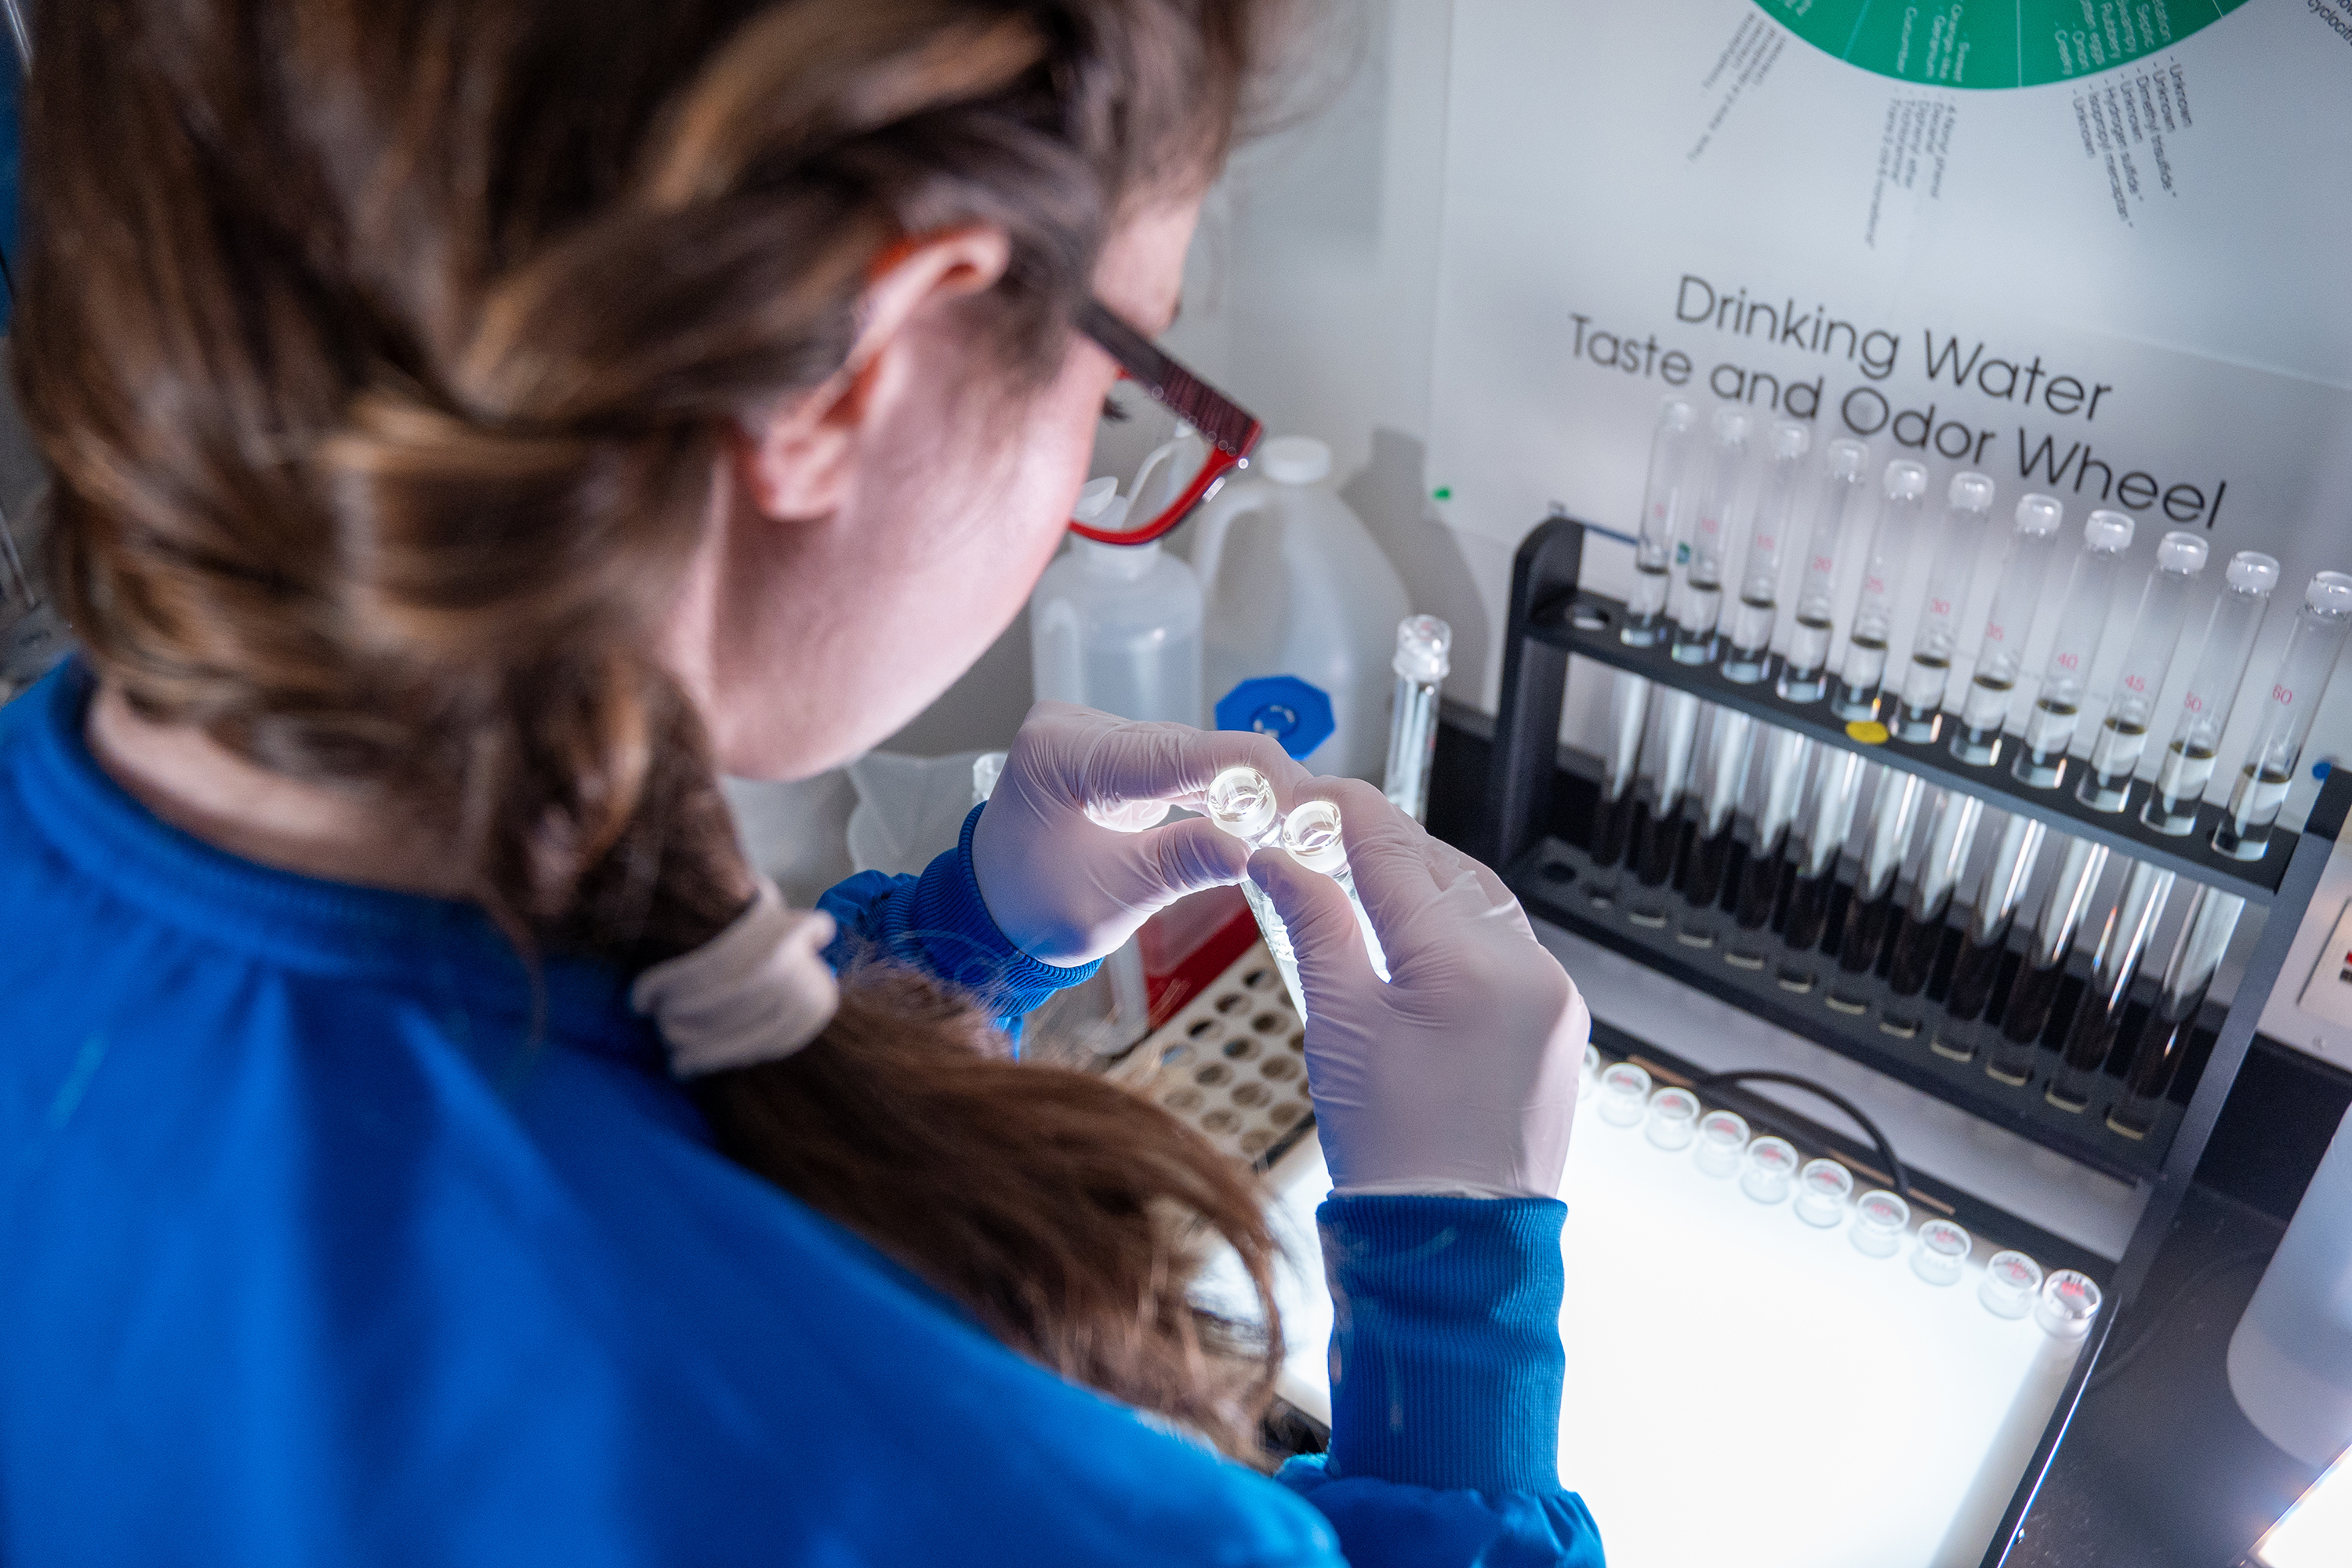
point(2155, 642)
point(1902, 494)
point(1776, 511)
point(2035, 989)
point(1240, 800)
point(2001, 657)
point(1967, 508)
point(1843, 503)
point(1422, 645)
point(2187, 766)
point(2320, 628)
point(1666, 513)
point(2100, 1014)
point(1712, 522)
point(1994, 912)
point(2067, 677)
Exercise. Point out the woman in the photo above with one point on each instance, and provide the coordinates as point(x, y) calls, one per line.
point(475, 422)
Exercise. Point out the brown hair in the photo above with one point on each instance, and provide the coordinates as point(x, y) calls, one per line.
point(382, 349)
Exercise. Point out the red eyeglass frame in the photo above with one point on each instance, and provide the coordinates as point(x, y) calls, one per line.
point(1231, 430)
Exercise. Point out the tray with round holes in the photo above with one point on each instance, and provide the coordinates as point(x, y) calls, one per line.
point(1232, 1064)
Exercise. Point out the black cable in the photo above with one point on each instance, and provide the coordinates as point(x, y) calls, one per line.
point(2112, 1365)
point(1896, 1173)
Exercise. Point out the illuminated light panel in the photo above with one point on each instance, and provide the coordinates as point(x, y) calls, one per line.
point(2316, 1532)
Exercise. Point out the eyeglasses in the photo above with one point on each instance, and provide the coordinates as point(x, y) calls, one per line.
point(1196, 436)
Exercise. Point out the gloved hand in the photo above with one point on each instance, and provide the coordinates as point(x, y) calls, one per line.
point(1070, 854)
point(1458, 1076)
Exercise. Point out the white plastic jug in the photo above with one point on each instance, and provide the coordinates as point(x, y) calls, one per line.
point(1296, 585)
point(1118, 627)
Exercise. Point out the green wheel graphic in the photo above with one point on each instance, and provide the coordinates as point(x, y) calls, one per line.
point(1993, 43)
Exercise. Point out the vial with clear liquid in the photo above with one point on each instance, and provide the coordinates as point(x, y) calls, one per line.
point(1666, 513)
point(1725, 771)
point(1423, 648)
point(2155, 642)
point(2164, 1039)
point(1660, 785)
point(2024, 564)
point(1968, 509)
point(1613, 814)
point(2122, 940)
point(1749, 655)
point(1870, 913)
point(1776, 788)
point(1311, 835)
point(1952, 822)
point(1720, 509)
point(1240, 800)
point(1977, 966)
point(1836, 783)
point(2294, 701)
point(1903, 496)
point(2067, 679)
point(2035, 989)
point(2187, 766)
point(1838, 509)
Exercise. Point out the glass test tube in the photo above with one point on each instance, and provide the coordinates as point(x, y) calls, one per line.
point(2155, 641)
point(1844, 496)
point(1665, 512)
point(1750, 653)
point(2025, 562)
point(1240, 800)
point(1311, 836)
point(2100, 1014)
point(1871, 912)
point(2302, 679)
point(1837, 781)
point(1730, 737)
point(1951, 833)
point(2067, 679)
point(2165, 1038)
point(1987, 937)
point(1777, 786)
point(1424, 643)
point(1660, 783)
point(2032, 993)
point(1902, 494)
point(1712, 523)
point(2187, 766)
point(1613, 813)
point(1967, 507)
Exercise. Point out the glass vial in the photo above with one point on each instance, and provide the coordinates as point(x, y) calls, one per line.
point(1722, 1140)
point(1614, 812)
point(2157, 633)
point(1777, 786)
point(1624, 1095)
point(1750, 655)
point(1659, 787)
point(1940, 1251)
point(2164, 1039)
point(1880, 1218)
point(1902, 494)
point(1823, 1188)
point(2067, 679)
point(1978, 967)
point(2024, 565)
point(1770, 1168)
point(2035, 989)
point(1240, 800)
point(1968, 509)
point(1666, 513)
point(1843, 499)
point(1836, 782)
point(1870, 914)
point(2296, 691)
point(1311, 835)
point(1952, 822)
point(2100, 1014)
point(1720, 508)
point(2187, 766)
point(1673, 1119)
point(1723, 773)
point(1423, 648)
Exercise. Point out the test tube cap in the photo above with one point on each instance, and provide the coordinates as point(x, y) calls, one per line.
point(2330, 594)
point(2107, 531)
point(1791, 439)
point(2040, 515)
point(1905, 480)
point(1240, 800)
point(2181, 551)
point(1676, 414)
point(1424, 644)
point(2069, 1301)
point(1311, 834)
point(1970, 492)
point(1849, 458)
point(2252, 571)
point(1731, 424)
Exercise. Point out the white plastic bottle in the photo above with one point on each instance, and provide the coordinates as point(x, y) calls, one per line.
point(1118, 627)
point(2290, 1360)
point(1298, 585)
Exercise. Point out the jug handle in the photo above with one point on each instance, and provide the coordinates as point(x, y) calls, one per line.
point(1216, 518)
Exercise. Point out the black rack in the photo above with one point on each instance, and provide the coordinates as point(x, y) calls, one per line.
point(1552, 616)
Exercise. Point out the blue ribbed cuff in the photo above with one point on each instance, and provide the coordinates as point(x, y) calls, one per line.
point(1446, 1358)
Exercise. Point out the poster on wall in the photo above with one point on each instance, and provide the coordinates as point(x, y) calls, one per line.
point(2099, 249)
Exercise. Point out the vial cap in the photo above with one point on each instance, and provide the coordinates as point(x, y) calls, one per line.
point(2107, 531)
point(1731, 424)
point(2040, 515)
point(1905, 480)
point(1791, 439)
point(1423, 643)
point(2330, 594)
point(2069, 1301)
point(1676, 414)
point(1240, 800)
point(1311, 834)
point(1849, 458)
point(1294, 459)
point(1970, 492)
point(2252, 571)
point(2181, 551)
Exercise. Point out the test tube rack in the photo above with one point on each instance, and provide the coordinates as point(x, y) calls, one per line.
point(1552, 616)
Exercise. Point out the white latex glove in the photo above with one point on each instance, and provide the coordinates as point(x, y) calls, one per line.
point(1459, 1075)
point(1070, 854)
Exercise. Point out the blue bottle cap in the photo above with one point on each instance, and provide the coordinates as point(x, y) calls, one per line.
point(1296, 713)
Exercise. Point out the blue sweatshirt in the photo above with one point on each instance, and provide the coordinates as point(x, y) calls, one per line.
point(310, 1253)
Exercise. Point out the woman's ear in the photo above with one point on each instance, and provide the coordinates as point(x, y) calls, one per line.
point(796, 459)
